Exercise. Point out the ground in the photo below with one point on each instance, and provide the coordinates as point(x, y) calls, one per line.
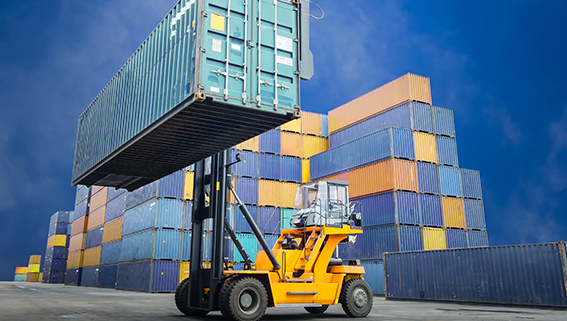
point(36, 301)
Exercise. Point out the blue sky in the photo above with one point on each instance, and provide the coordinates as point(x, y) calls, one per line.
point(500, 65)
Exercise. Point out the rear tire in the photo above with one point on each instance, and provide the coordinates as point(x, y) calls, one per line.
point(317, 310)
point(356, 298)
point(182, 300)
point(243, 299)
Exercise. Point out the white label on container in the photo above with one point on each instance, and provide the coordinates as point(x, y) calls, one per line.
point(217, 45)
point(284, 60)
point(215, 89)
point(173, 33)
point(235, 47)
point(284, 43)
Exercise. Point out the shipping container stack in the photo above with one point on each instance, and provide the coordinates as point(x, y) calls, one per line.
point(55, 264)
point(399, 154)
point(77, 234)
point(34, 268)
point(21, 274)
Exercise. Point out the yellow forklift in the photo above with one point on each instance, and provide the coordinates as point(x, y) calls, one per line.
point(302, 267)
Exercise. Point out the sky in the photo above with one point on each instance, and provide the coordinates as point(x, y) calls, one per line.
point(499, 65)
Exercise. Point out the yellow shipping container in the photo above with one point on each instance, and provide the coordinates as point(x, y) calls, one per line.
point(96, 218)
point(98, 200)
point(252, 144)
point(310, 123)
point(35, 259)
point(270, 193)
point(189, 180)
point(291, 144)
point(75, 259)
point(434, 238)
point(425, 149)
point(305, 171)
point(404, 89)
point(288, 191)
point(112, 231)
point(312, 145)
point(92, 256)
point(183, 271)
point(292, 126)
point(77, 242)
point(34, 268)
point(57, 240)
point(453, 212)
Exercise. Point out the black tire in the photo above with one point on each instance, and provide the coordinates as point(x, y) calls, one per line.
point(182, 299)
point(317, 310)
point(243, 299)
point(356, 298)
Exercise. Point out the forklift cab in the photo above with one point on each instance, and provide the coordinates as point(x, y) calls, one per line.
point(324, 203)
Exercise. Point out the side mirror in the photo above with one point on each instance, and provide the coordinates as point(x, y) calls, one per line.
point(238, 157)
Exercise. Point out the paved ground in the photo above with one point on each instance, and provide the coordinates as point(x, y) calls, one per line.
point(36, 301)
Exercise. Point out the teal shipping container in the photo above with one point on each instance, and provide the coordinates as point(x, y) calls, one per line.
point(212, 74)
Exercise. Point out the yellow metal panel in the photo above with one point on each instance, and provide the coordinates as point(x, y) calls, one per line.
point(425, 149)
point(291, 144)
point(288, 191)
point(420, 88)
point(434, 238)
point(183, 271)
point(75, 259)
point(305, 171)
point(189, 179)
point(326, 292)
point(33, 268)
point(270, 193)
point(217, 22)
point(92, 256)
point(252, 144)
point(312, 145)
point(310, 123)
point(292, 126)
point(60, 240)
point(453, 212)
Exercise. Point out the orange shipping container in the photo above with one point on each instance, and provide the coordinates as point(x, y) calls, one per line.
point(425, 149)
point(291, 144)
point(21, 270)
point(35, 259)
point(388, 175)
point(288, 194)
point(95, 189)
point(33, 277)
point(292, 126)
point(312, 145)
point(96, 218)
point(310, 123)
point(98, 200)
point(79, 226)
point(270, 193)
point(189, 180)
point(404, 89)
point(92, 256)
point(112, 231)
point(77, 242)
point(453, 212)
point(75, 259)
point(252, 144)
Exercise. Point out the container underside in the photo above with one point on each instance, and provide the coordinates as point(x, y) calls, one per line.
point(198, 130)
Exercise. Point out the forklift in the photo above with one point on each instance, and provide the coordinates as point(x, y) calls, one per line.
point(302, 267)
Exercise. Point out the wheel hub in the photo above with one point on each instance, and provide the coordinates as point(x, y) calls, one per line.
point(360, 298)
point(249, 302)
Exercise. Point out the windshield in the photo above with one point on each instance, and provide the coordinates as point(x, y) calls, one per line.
point(306, 195)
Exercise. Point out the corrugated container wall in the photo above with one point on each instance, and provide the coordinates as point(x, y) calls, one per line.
point(434, 238)
point(374, 276)
point(406, 88)
point(291, 144)
point(444, 121)
point(471, 183)
point(311, 123)
point(390, 208)
point(371, 244)
point(431, 210)
point(453, 212)
point(270, 142)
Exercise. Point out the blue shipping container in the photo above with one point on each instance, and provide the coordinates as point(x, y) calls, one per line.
point(82, 194)
point(247, 189)
point(134, 276)
point(474, 214)
point(186, 247)
point(373, 242)
point(59, 217)
point(444, 121)
point(81, 209)
point(428, 178)
point(269, 219)
point(157, 213)
point(477, 238)
point(110, 253)
point(450, 181)
point(90, 276)
point(113, 193)
point(431, 210)
point(94, 237)
point(58, 228)
point(56, 252)
point(55, 264)
point(390, 208)
point(446, 150)
point(187, 214)
point(270, 166)
point(456, 238)
point(324, 125)
point(107, 276)
point(401, 116)
point(151, 244)
point(518, 274)
point(115, 208)
point(240, 223)
point(270, 142)
point(291, 169)
point(73, 276)
point(165, 276)
point(380, 145)
point(374, 276)
point(249, 243)
point(248, 167)
point(471, 183)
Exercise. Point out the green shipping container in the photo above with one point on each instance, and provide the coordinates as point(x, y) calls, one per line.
point(212, 74)
point(20, 277)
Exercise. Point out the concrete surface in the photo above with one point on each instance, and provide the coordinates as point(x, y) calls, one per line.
point(36, 301)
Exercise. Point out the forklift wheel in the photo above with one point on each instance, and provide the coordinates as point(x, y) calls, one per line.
point(317, 310)
point(356, 298)
point(243, 299)
point(182, 300)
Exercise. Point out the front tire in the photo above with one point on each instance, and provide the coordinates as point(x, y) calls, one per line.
point(356, 298)
point(182, 300)
point(243, 299)
point(317, 310)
